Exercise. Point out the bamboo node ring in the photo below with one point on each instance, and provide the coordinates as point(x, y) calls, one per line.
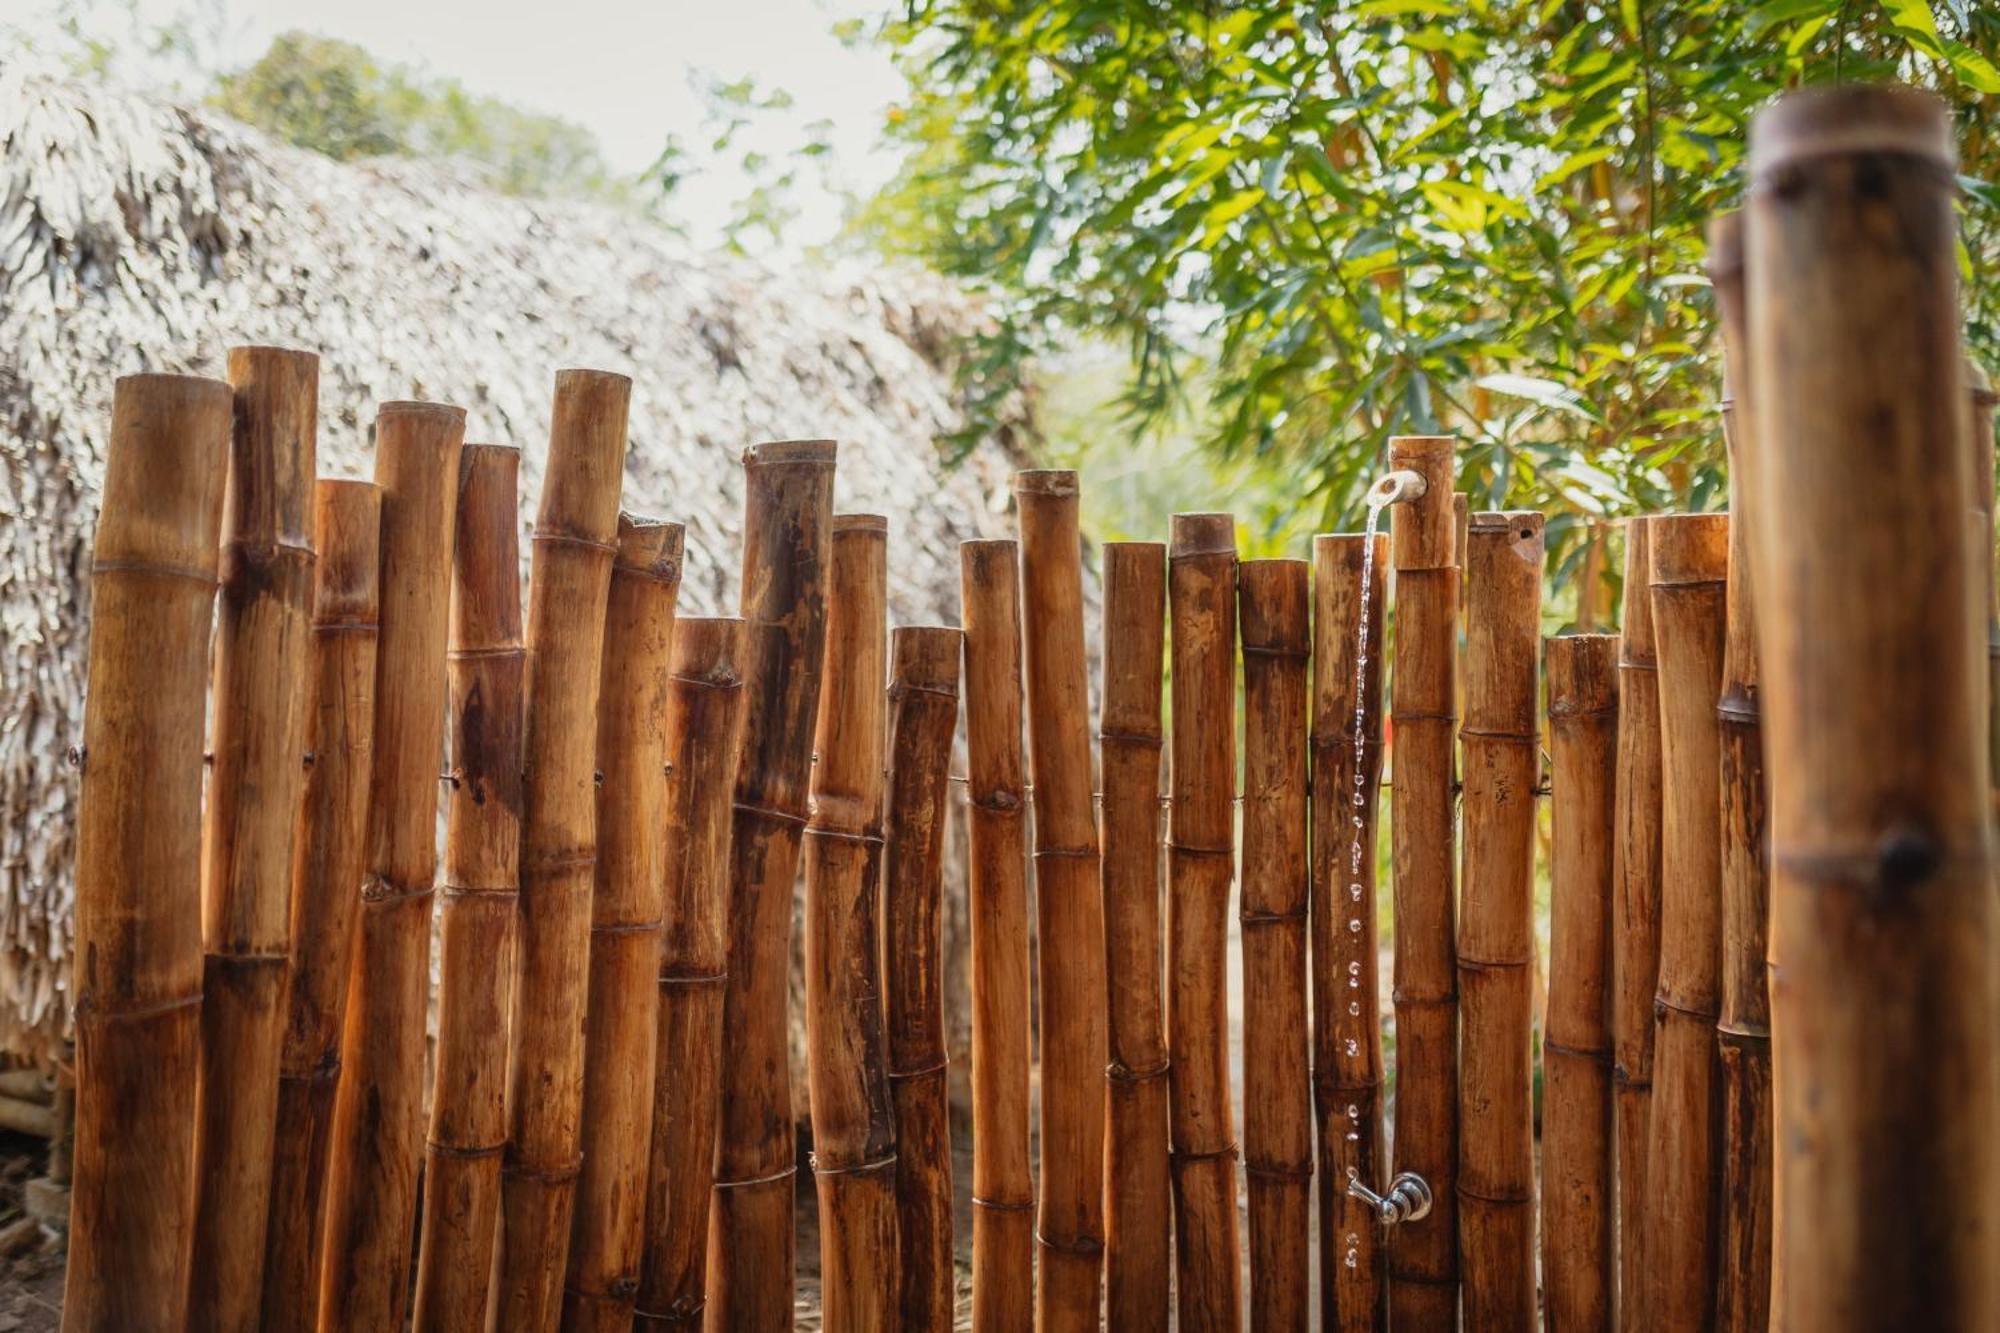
point(937, 1066)
point(1278, 1171)
point(843, 835)
point(464, 1151)
point(1004, 1205)
point(1149, 740)
point(1078, 1245)
point(560, 1174)
point(1187, 849)
point(857, 1169)
point(753, 1182)
point(154, 569)
point(543, 536)
point(1596, 1055)
point(1271, 918)
point(1120, 1072)
point(694, 979)
point(627, 927)
point(1194, 1157)
point(767, 812)
point(379, 888)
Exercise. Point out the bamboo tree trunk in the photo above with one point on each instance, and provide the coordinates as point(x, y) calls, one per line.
point(1003, 1199)
point(1138, 1193)
point(853, 1115)
point(257, 737)
point(1868, 622)
point(1578, 1261)
point(138, 869)
point(1351, 589)
point(378, 1109)
point(328, 855)
point(786, 531)
point(484, 670)
point(704, 720)
point(923, 696)
point(1201, 861)
point(621, 1041)
point(1274, 607)
point(1982, 402)
point(1069, 905)
point(1423, 1256)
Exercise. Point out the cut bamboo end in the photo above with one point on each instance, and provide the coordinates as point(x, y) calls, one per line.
point(1851, 119)
point(1425, 532)
point(1201, 534)
point(277, 390)
point(925, 657)
point(1058, 482)
point(791, 453)
point(1689, 549)
point(1274, 599)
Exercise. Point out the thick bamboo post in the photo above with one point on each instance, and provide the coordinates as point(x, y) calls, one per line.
point(1201, 861)
point(923, 697)
point(1138, 1195)
point(705, 701)
point(621, 1040)
point(1496, 1158)
point(138, 866)
point(1003, 1192)
point(853, 1116)
point(575, 541)
point(378, 1109)
point(1578, 1176)
point(1423, 1256)
point(1069, 905)
point(328, 854)
point(1351, 588)
point(484, 672)
point(788, 512)
point(1274, 607)
point(1881, 886)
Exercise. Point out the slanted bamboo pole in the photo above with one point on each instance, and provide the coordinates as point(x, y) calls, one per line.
point(853, 1115)
point(378, 1110)
point(1003, 1198)
point(328, 854)
point(1201, 861)
point(1274, 607)
point(1069, 905)
point(923, 697)
point(705, 701)
point(1138, 1195)
point(257, 736)
point(575, 541)
point(1868, 626)
point(1496, 1158)
point(484, 672)
point(1578, 1261)
point(138, 867)
point(1423, 1256)
point(621, 1040)
point(1351, 588)
point(788, 495)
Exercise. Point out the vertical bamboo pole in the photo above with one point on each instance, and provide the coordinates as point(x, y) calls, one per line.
point(853, 1116)
point(1274, 607)
point(1201, 860)
point(378, 1109)
point(1003, 1199)
point(923, 697)
point(1882, 901)
point(1981, 405)
point(1496, 1158)
point(1138, 1278)
point(705, 701)
point(1069, 905)
point(1578, 1262)
point(621, 1040)
point(328, 854)
point(1423, 1256)
point(1347, 1019)
point(484, 671)
point(138, 866)
point(786, 530)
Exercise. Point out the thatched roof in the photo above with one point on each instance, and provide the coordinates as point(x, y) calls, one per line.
point(137, 235)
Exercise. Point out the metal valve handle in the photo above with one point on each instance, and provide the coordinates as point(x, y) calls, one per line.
point(1409, 1198)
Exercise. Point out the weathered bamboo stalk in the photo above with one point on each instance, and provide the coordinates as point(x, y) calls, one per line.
point(1578, 1261)
point(1867, 622)
point(923, 696)
point(378, 1110)
point(853, 1114)
point(1201, 861)
point(1981, 404)
point(621, 1041)
point(1138, 1194)
point(1274, 602)
point(138, 870)
point(1423, 1256)
point(788, 510)
point(1347, 1019)
point(705, 702)
point(1069, 905)
point(575, 541)
point(484, 672)
point(1003, 1198)
point(328, 856)
point(1496, 1158)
